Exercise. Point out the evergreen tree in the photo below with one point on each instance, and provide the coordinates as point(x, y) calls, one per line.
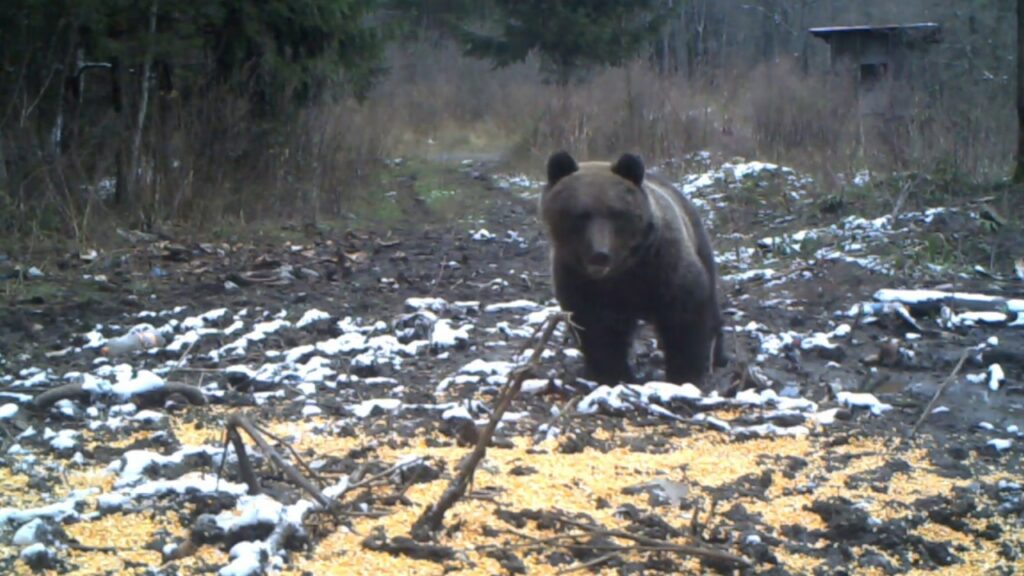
point(278, 54)
point(571, 37)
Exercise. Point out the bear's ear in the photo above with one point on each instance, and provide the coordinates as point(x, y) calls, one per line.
point(630, 167)
point(560, 165)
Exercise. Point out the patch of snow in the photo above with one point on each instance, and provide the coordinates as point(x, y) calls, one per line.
point(65, 440)
point(191, 483)
point(749, 275)
point(863, 400)
point(143, 382)
point(311, 317)
point(862, 178)
point(344, 344)
point(436, 305)
point(487, 368)
point(1000, 444)
point(112, 502)
point(246, 559)
point(515, 306)
point(995, 377)
point(94, 339)
point(35, 553)
point(28, 533)
point(203, 320)
point(134, 465)
point(8, 411)
point(768, 430)
point(149, 417)
point(367, 407)
point(532, 386)
point(482, 235)
point(604, 397)
point(58, 511)
point(716, 423)
point(443, 336)
point(456, 413)
point(825, 417)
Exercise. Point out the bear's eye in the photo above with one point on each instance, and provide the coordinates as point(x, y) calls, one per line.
point(583, 217)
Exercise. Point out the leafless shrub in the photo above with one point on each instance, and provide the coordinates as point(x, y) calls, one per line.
point(208, 157)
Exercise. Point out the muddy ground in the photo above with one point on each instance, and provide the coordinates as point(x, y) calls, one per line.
point(782, 468)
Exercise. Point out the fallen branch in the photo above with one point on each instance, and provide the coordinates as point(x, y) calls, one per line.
point(238, 421)
point(405, 546)
point(291, 451)
point(933, 300)
point(564, 412)
point(46, 399)
point(685, 549)
point(942, 388)
point(245, 469)
point(430, 520)
point(592, 563)
point(383, 474)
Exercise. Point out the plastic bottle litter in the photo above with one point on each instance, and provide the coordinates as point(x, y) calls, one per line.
point(141, 337)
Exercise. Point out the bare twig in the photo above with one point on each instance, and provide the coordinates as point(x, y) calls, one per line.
point(590, 563)
point(182, 360)
point(686, 549)
point(236, 421)
point(245, 469)
point(374, 477)
point(294, 454)
point(565, 411)
point(898, 205)
point(430, 520)
point(942, 388)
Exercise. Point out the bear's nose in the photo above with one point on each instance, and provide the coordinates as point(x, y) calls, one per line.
point(600, 259)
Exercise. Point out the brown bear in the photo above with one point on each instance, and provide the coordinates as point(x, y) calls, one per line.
point(626, 248)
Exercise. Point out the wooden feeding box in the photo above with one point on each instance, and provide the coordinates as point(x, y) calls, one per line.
point(883, 61)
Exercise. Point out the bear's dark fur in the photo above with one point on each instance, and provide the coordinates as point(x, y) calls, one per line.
point(626, 248)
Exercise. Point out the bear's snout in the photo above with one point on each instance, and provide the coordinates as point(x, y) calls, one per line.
point(599, 257)
point(599, 265)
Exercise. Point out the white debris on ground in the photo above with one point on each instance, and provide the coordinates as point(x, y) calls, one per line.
point(299, 373)
point(864, 242)
point(356, 369)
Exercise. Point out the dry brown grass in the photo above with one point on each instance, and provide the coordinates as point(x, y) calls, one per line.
point(209, 161)
point(771, 112)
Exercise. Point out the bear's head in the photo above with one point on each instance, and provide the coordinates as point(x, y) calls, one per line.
point(598, 215)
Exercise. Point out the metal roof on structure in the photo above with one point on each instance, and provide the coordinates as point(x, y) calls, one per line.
point(924, 31)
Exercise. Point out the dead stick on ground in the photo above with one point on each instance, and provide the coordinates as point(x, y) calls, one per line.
point(589, 564)
point(686, 549)
point(236, 421)
point(245, 469)
point(430, 521)
point(942, 388)
point(294, 454)
point(182, 360)
point(80, 392)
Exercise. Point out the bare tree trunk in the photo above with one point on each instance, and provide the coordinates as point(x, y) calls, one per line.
point(1018, 175)
point(147, 63)
point(804, 39)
